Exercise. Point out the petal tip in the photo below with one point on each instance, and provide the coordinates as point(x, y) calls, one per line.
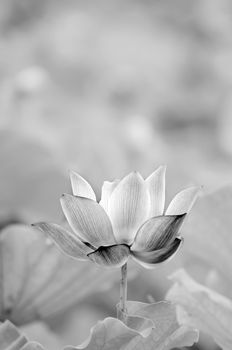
point(80, 186)
point(183, 201)
point(135, 174)
point(73, 174)
point(162, 167)
point(160, 170)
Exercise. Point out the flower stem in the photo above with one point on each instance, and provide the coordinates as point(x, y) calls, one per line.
point(123, 294)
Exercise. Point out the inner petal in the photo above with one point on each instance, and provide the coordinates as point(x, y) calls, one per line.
point(107, 190)
point(156, 188)
point(128, 207)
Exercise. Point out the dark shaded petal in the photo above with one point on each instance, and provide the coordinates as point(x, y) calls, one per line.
point(67, 241)
point(149, 259)
point(88, 219)
point(115, 255)
point(157, 232)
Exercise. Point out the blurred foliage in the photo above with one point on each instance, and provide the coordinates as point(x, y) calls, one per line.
point(208, 241)
point(38, 282)
point(148, 326)
point(27, 186)
point(122, 84)
point(202, 308)
point(10, 338)
point(207, 257)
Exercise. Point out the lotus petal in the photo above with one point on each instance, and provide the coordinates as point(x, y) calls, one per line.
point(183, 201)
point(157, 232)
point(88, 219)
point(150, 259)
point(156, 188)
point(81, 187)
point(67, 241)
point(107, 190)
point(128, 207)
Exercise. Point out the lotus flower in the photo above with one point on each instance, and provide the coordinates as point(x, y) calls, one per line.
point(129, 220)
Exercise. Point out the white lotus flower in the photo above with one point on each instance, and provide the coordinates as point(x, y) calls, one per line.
point(130, 220)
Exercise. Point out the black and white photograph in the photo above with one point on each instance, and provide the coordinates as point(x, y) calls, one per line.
point(115, 175)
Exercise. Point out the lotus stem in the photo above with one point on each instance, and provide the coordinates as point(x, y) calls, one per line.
point(123, 294)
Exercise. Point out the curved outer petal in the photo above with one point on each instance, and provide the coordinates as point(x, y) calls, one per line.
point(183, 201)
point(67, 241)
point(128, 207)
point(156, 188)
point(150, 259)
point(88, 219)
point(116, 255)
point(107, 190)
point(157, 232)
point(81, 187)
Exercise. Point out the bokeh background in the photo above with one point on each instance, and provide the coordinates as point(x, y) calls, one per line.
point(106, 87)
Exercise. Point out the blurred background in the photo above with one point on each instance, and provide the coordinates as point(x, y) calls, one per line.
point(106, 87)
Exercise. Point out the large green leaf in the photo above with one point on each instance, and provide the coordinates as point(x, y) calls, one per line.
point(10, 338)
point(203, 308)
point(37, 281)
point(150, 326)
